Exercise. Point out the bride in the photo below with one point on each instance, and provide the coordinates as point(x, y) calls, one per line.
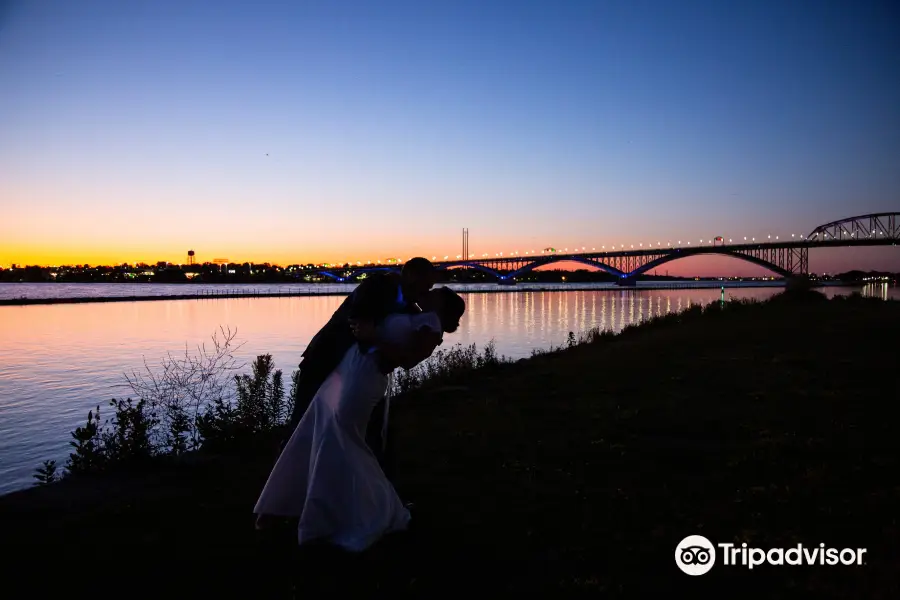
point(327, 475)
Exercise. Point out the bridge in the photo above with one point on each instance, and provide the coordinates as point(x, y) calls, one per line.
point(788, 259)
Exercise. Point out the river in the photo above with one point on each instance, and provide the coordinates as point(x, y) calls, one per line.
point(57, 361)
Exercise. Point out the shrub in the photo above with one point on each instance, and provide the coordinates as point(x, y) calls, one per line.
point(446, 364)
point(260, 407)
point(46, 473)
point(166, 424)
point(185, 387)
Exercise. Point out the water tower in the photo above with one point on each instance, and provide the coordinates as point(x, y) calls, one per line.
point(190, 257)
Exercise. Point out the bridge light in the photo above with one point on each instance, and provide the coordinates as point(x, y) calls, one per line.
point(754, 239)
point(729, 240)
point(641, 245)
point(745, 238)
point(593, 249)
point(446, 257)
point(776, 237)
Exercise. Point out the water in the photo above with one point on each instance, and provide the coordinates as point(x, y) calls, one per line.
point(124, 290)
point(59, 361)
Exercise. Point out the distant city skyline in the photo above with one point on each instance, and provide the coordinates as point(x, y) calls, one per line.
point(345, 131)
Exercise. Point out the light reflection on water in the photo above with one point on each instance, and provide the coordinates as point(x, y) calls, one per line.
point(59, 361)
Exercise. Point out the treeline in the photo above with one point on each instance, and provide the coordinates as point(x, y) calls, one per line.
point(212, 274)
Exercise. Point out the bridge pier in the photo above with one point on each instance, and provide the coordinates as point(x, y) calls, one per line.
point(626, 281)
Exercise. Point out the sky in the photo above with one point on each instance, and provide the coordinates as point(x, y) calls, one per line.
point(297, 132)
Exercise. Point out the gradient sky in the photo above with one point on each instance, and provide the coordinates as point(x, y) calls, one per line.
point(133, 131)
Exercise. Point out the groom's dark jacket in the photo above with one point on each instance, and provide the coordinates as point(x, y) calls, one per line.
point(375, 298)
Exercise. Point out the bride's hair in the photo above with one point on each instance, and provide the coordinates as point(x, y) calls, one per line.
point(450, 307)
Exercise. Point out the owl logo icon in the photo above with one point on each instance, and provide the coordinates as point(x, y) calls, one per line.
point(695, 555)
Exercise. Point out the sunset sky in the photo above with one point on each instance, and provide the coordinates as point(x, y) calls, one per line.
point(296, 132)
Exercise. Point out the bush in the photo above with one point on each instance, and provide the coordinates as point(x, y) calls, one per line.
point(46, 473)
point(184, 388)
point(446, 364)
point(260, 407)
point(186, 405)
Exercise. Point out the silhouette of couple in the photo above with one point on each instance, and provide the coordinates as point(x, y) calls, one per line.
point(330, 473)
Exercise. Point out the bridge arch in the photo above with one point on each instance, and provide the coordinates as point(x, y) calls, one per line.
point(886, 224)
point(552, 260)
point(720, 250)
point(476, 266)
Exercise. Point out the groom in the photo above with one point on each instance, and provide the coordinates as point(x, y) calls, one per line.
point(355, 321)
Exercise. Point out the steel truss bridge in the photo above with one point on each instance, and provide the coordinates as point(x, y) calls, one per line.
point(787, 259)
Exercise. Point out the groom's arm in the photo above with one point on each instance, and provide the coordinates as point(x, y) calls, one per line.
point(370, 301)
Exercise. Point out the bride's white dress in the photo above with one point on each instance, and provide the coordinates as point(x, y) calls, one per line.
point(327, 474)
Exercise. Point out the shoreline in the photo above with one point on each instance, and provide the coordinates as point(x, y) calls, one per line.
point(214, 294)
point(580, 469)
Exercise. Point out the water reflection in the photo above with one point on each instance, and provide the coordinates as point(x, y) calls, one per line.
point(877, 290)
point(59, 361)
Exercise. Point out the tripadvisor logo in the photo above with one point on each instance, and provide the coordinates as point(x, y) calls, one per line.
point(696, 555)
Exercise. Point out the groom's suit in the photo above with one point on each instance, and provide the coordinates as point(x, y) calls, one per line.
point(375, 298)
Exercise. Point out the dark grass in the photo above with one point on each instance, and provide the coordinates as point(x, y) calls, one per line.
point(575, 471)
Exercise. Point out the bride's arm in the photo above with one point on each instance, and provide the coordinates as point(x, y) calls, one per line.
point(424, 341)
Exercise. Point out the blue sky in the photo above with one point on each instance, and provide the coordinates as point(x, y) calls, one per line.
point(135, 130)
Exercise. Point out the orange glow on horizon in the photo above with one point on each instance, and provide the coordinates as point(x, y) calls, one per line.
point(821, 261)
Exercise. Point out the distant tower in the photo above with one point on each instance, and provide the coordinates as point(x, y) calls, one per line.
point(465, 244)
point(190, 257)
